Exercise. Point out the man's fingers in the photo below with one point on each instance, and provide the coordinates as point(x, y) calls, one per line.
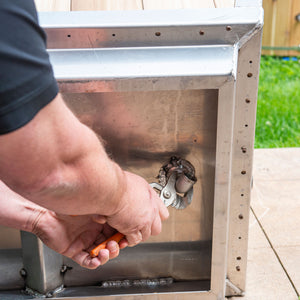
point(163, 211)
point(123, 243)
point(156, 226)
point(146, 233)
point(99, 219)
point(103, 256)
point(113, 249)
point(83, 259)
point(134, 238)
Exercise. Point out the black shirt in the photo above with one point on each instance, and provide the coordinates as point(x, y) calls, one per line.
point(27, 83)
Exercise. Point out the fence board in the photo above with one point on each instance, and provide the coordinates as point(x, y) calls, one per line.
point(295, 28)
point(283, 20)
point(280, 27)
point(269, 24)
point(53, 5)
point(106, 5)
point(177, 4)
point(224, 3)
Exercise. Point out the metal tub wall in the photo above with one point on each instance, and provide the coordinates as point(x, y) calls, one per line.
point(153, 85)
point(141, 131)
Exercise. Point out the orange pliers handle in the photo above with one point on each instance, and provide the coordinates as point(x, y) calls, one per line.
point(116, 237)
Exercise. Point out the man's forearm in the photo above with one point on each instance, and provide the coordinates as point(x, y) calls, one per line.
point(60, 164)
point(17, 212)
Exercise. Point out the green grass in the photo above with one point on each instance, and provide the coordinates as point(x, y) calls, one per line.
point(278, 107)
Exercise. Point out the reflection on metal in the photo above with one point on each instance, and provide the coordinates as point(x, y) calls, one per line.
point(177, 176)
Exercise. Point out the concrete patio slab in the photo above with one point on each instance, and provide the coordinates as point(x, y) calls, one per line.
point(266, 280)
point(290, 258)
point(274, 238)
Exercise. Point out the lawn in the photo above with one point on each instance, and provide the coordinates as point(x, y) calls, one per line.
point(278, 107)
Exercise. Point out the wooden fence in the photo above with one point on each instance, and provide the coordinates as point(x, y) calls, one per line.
point(281, 29)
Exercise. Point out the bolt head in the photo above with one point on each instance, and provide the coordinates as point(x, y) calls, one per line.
point(23, 272)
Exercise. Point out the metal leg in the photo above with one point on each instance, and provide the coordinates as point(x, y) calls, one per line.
point(42, 265)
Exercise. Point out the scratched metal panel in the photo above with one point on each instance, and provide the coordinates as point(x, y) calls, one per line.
point(142, 130)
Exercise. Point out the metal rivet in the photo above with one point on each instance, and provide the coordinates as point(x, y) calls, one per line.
point(238, 268)
point(63, 269)
point(247, 100)
point(238, 258)
point(157, 33)
point(243, 172)
point(241, 216)
point(69, 35)
point(228, 28)
point(242, 195)
point(167, 194)
point(23, 272)
point(249, 75)
point(240, 237)
point(244, 149)
point(201, 32)
point(113, 34)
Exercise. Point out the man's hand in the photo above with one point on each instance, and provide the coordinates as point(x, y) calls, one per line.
point(72, 236)
point(76, 236)
point(140, 211)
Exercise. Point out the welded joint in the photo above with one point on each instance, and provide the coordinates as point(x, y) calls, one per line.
point(232, 289)
point(49, 294)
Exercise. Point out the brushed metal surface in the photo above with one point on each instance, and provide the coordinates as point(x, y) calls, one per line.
point(41, 263)
point(183, 261)
point(142, 130)
point(10, 266)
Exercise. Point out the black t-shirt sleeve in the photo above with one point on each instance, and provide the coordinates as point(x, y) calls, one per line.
point(27, 82)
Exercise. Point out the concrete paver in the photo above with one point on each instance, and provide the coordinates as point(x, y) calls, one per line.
point(290, 258)
point(266, 280)
point(276, 203)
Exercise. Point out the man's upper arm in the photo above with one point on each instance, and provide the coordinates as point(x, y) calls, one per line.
point(26, 76)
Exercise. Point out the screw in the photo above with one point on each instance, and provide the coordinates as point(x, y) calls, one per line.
point(23, 272)
point(228, 28)
point(167, 194)
point(63, 269)
point(49, 295)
